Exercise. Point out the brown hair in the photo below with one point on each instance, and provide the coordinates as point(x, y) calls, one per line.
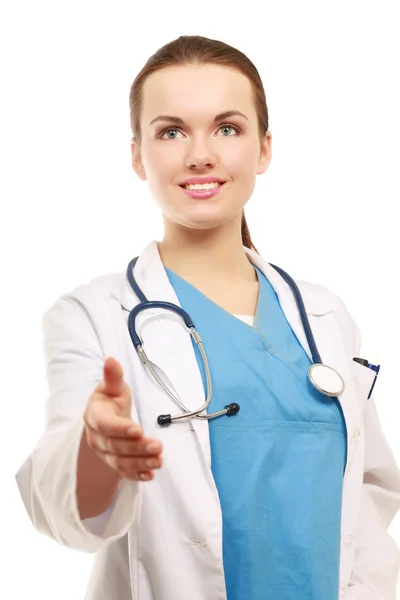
point(195, 49)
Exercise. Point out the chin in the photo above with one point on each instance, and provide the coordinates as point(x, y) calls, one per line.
point(202, 214)
point(204, 221)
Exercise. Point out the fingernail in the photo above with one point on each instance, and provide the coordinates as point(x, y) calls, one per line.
point(152, 447)
point(151, 462)
point(110, 460)
point(134, 431)
point(102, 445)
point(145, 476)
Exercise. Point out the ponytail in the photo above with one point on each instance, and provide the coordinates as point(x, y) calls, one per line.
point(246, 238)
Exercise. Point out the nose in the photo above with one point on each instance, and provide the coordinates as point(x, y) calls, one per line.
point(200, 163)
point(200, 157)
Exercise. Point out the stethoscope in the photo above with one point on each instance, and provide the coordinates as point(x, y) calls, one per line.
point(324, 378)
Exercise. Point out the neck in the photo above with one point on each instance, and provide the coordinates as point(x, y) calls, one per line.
point(206, 255)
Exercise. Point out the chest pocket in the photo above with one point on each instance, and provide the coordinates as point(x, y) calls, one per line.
point(363, 379)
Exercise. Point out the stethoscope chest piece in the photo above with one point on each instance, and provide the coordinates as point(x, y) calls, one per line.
point(326, 380)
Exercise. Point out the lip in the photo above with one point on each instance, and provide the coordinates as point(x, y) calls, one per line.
point(208, 179)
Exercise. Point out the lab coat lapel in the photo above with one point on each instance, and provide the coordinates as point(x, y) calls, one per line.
point(166, 340)
point(333, 353)
point(319, 305)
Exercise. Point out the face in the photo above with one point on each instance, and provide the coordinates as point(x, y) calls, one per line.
point(197, 145)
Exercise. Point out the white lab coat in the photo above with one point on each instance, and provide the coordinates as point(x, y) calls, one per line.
point(162, 540)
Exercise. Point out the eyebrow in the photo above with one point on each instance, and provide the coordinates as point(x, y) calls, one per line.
point(219, 117)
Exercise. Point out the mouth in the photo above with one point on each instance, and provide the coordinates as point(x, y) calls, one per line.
point(202, 187)
point(204, 191)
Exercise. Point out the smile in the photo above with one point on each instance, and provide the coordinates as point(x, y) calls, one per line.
point(201, 186)
point(202, 191)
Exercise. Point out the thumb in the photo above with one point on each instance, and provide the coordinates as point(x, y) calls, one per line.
point(113, 378)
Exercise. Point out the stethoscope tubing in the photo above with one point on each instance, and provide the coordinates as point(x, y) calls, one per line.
point(233, 408)
point(303, 314)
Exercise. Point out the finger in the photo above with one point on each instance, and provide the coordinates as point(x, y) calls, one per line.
point(113, 378)
point(140, 446)
point(131, 466)
point(104, 420)
point(144, 476)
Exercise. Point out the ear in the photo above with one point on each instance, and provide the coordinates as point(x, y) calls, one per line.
point(137, 164)
point(265, 153)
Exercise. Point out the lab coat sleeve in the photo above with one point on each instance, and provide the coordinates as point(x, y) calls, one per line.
point(47, 479)
point(377, 557)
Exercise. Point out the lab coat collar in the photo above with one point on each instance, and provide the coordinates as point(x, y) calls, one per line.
point(152, 279)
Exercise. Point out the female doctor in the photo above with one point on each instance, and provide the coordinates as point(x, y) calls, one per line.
point(289, 492)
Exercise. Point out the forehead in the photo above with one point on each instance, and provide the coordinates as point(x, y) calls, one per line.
point(196, 90)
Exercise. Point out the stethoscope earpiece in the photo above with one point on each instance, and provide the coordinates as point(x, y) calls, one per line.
point(232, 409)
point(164, 420)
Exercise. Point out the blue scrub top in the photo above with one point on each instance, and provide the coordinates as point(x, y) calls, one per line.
point(278, 464)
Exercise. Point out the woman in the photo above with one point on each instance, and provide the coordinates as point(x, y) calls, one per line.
point(288, 498)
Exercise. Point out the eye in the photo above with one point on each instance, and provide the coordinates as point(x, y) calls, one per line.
point(228, 126)
point(224, 126)
point(163, 133)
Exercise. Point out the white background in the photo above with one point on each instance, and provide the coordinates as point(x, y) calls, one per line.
point(326, 210)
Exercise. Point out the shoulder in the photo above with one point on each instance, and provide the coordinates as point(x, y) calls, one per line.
point(88, 298)
point(317, 298)
point(100, 287)
point(320, 300)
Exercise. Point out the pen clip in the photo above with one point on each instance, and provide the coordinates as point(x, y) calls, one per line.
point(376, 368)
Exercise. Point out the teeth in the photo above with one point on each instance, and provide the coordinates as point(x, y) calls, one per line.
point(202, 186)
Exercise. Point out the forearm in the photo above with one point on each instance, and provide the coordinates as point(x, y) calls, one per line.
point(96, 483)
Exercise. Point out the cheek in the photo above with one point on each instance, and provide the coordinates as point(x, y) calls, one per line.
point(241, 158)
point(164, 165)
